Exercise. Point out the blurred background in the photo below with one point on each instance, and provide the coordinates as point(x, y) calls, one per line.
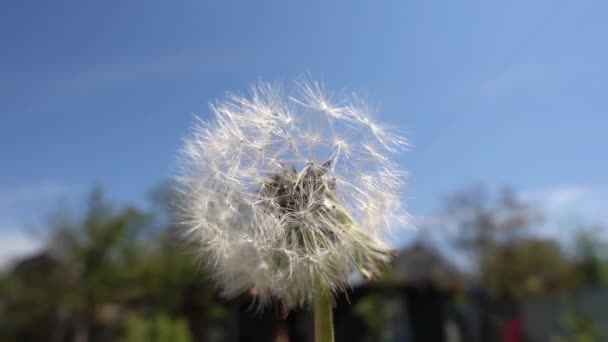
point(504, 105)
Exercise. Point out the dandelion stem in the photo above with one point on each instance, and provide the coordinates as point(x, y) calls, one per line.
point(324, 325)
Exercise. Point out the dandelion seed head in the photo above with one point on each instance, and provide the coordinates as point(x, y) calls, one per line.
point(285, 194)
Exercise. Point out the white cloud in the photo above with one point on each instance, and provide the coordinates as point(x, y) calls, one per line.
point(567, 207)
point(561, 198)
point(114, 73)
point(511, 78)
point(565, 196)
point(87, 81)
point(32, 192)
point(23, 208)
point(590, 203)
point(15, 244)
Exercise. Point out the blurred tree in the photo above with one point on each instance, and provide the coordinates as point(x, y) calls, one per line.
point(94, 254)
point(135, 329)
point(30, 295)
point(482, 221)
point(495, 230)
point(378, 313)
point(591, 255)
point(70, 288)
point(579, 326)
point(160, 328)
point(529, 266)
point(96, 268)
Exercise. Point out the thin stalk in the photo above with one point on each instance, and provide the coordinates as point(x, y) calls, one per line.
point(324, 324)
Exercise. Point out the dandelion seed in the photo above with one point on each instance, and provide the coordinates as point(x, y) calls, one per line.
point(286, 195)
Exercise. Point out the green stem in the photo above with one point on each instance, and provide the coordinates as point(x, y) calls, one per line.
point(324, 325)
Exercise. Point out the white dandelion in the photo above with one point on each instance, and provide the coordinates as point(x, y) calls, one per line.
point(288, 194)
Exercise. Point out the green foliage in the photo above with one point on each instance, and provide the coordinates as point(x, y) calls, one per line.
point(95, 268)
point(135, 329)
point(580, 327)
point(531, 266)
point(181, 331)
point(591, 256)
point(495, 231)
point(377, 311)
point(160, 328)
point(123, 270)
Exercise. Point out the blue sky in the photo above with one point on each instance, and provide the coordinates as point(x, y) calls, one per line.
point(499, 93)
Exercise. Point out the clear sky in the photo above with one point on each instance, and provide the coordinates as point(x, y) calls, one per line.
point(494, 92)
